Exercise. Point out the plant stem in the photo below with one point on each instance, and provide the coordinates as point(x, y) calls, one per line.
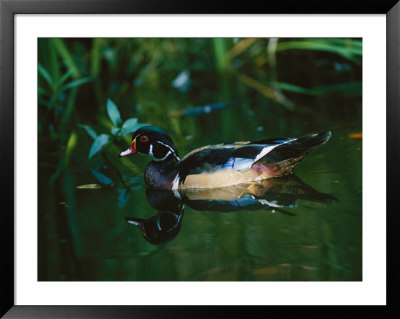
point(109, 163)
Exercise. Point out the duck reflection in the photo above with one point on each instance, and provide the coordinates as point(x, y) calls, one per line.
point(273, 194)
point(164, 226)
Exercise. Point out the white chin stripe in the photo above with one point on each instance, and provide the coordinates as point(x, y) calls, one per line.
point(136, 223)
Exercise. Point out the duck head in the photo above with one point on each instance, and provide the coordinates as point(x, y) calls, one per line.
point(153, 141)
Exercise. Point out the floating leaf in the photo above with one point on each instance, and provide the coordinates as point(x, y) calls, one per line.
point(101, 177)
point(98, 143)
point(113, 113)
point(89, 130)
point(89, 186)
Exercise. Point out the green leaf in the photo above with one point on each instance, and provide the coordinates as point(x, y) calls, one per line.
point(98, 143)
point(220, 53)
point(76, 83)
point(348, 89)
point(113, 113)
point(114, 130)
point(41, 90)
point(46, 75)
point(291, 88)
point(64, 77)
point(67, 58)
point(91, 132)
point(351, 50)
point(101, 177)
point(123, 197)
point(96, 56)
point(130, 125)
point(72, 141)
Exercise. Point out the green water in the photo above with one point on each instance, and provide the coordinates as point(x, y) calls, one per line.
point(322, 242)
point(83, 234)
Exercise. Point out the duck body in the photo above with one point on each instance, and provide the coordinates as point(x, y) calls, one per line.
point(220, 165)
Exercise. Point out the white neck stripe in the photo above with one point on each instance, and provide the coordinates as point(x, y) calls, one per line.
point(175, 182)
point(171, 151)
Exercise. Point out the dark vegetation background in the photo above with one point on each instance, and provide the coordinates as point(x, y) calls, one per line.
point(274, 83)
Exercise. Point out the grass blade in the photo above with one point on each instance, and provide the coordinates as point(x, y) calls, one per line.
point(46, 75)
point(76, 83)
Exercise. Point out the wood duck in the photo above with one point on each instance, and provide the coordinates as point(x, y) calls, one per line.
point(218, 165)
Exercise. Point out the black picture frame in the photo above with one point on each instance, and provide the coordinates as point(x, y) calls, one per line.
point(8, 10)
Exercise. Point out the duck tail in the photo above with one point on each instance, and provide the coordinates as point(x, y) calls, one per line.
point(310, 141)
point(283, 158)
point(298, 148)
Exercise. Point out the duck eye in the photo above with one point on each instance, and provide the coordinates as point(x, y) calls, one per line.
point(143, 139)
